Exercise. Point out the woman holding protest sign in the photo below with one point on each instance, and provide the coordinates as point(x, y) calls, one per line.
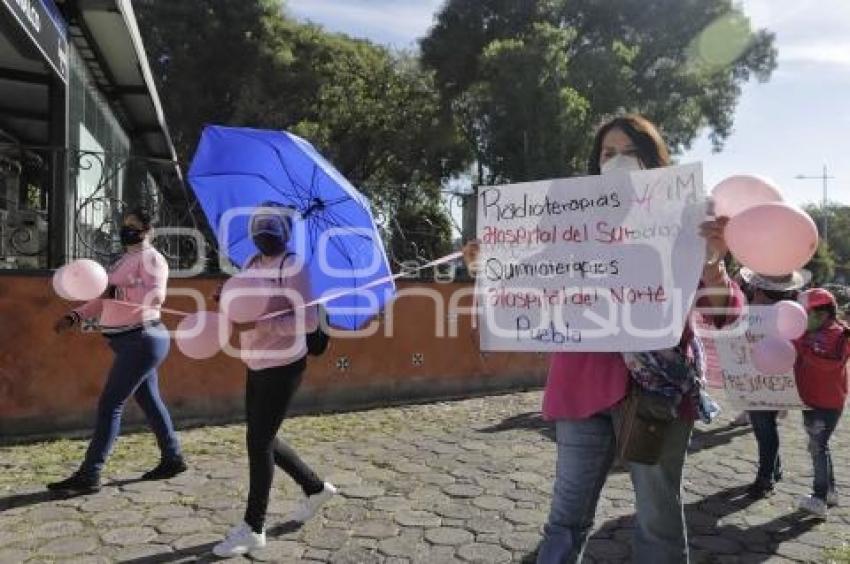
point(643, 405)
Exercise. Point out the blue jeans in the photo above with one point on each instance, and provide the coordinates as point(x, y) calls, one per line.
point(137, 356)
point(767, 438)
point(820, 423)
point(586, 451)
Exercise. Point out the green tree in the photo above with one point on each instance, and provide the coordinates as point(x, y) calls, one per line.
point(528, 81)
point(822, 265)
point(201, 53)
point(374, 113)
point(838, 222)
point(421, 233)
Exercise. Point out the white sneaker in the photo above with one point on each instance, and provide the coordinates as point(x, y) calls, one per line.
point(310, 505)
point(813, 505)
point(832, 499)
point(240, 540)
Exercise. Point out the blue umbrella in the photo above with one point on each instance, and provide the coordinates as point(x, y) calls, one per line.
point(243, 168)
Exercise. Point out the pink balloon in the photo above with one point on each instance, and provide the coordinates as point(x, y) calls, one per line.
point(774, 356)
point(772, 239)
point(81, 280)
point(58, 286)
point(202, 335)
point(791, 320)
point(743, 191)
point(245, 297)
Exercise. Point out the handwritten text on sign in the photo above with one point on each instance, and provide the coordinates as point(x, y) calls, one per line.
point(599, 263)
point(745, 388)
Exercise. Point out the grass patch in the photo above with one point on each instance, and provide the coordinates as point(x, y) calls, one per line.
point(839, 555)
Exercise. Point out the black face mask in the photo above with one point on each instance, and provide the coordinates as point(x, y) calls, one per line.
point(268, 244)
point(131, 235)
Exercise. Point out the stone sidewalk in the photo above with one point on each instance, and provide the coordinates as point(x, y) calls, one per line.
point(467, 481)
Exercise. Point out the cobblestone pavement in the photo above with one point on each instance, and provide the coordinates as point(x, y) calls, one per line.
point(465, 481)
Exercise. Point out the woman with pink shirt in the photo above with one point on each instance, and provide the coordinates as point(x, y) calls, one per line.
point(275, 352)
point(585, 395)
point(585, 392)
point(140, 344)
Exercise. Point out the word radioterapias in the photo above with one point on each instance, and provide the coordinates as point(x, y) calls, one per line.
point(495, 209)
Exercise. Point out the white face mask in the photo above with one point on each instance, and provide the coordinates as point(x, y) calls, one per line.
point(621, 162)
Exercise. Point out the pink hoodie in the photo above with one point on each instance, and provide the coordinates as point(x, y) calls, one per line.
point(581, 384)
point(281, 340)
point(140, 277)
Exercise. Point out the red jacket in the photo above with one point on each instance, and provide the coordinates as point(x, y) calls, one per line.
point(821, 369)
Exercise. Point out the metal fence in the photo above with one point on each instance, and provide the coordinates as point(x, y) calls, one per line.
point(101, 187)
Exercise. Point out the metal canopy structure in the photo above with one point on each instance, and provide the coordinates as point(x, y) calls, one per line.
point(24, 80)
point(106, 35)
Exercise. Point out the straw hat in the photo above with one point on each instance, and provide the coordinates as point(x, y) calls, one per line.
point(794, 281)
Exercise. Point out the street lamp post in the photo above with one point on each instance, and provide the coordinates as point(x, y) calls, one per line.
point(825, 178)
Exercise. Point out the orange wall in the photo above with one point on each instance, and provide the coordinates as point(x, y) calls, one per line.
point(50, 384)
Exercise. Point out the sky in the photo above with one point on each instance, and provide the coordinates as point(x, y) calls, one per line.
point(793, 125)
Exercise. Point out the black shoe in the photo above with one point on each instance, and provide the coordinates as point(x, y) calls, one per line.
point(760, 489)
point(167, 468)
point(77, 484)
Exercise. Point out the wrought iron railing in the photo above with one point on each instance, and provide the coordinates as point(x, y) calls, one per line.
point(100, 187)
point(124, 183)
point(414, 244)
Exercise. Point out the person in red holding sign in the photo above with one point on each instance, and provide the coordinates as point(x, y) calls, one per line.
point(821, 374)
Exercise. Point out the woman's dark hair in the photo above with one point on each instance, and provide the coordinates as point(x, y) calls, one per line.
point(651, 149)
point(143, 215)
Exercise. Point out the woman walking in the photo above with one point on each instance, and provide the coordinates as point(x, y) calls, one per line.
point(275, 351)
point(140, 344)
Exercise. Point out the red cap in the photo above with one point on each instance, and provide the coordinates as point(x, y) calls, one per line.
point(817, 297)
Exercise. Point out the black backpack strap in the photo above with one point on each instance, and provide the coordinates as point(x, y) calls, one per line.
point(280, 270)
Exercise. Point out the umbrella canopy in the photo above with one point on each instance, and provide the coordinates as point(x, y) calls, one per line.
point(237, 169)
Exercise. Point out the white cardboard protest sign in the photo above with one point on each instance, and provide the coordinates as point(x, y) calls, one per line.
point(600, 263)
point(745, 387)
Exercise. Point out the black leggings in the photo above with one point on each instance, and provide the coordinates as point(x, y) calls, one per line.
point(267, 396)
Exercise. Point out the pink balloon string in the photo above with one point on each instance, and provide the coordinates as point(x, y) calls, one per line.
point(322, 300)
